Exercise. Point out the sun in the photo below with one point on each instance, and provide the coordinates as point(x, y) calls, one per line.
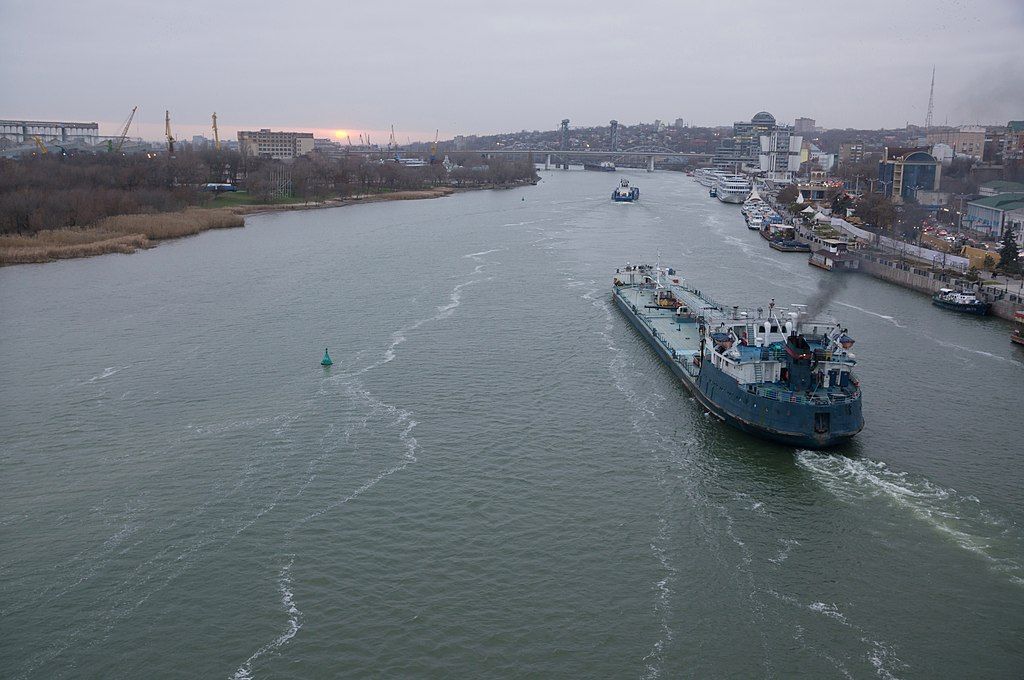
point(341, 134)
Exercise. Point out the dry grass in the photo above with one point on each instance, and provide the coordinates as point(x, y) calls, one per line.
point(118, 234)
point(127, 233)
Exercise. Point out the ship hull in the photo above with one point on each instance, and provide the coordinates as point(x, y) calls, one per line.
point(976, 310)
point(726, 197)
point(780, 422)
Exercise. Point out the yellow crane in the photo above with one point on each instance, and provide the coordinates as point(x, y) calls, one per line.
point(124, 131)
point(433, 147)
point(216, 134)
point(39, 143)
point(167, 132)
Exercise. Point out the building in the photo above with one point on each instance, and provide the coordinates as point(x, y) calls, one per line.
point(851, 152)
point(780, 154)
point(992, 215)
point(966, 140)
point(804, 126)
point(902, 171)
point(744, 147)
point(24, 131)
point(1013, 141)
point(268, 144)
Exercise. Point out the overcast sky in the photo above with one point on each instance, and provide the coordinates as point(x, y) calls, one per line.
point(481, 67)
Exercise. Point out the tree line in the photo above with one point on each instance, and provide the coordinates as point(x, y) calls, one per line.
point(53, 191)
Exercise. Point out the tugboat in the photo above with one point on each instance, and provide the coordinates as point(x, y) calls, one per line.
point(625, 193)
point(782, 375)
point(959, 301)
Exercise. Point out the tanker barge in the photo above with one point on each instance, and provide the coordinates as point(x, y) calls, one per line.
point(782, 375)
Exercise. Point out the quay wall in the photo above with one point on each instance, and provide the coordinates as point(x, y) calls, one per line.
point(904, 274)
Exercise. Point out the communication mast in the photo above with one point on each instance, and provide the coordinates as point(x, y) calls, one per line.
point(931, 104)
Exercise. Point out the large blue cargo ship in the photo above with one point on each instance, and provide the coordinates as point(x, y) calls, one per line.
point(782, 375)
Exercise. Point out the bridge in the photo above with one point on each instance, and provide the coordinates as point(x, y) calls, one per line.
point(562, 156)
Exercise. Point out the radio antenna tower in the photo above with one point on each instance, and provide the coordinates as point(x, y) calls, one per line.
point(931, 104)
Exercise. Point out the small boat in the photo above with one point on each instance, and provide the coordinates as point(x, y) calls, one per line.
point(625, 193)
point(789, 246)
point(1017, 335)
point(959, 301)
point(713, 192)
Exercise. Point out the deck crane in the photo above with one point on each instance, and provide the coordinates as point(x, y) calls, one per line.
point(216, 134)
point(167, 132)
point(124, 131)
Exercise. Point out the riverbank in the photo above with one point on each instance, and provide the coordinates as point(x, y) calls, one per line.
point(127, 233)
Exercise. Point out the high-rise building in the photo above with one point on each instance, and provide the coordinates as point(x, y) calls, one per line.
point(780, 153)
point(744, 147)
point(271, 144)
point(804, 126)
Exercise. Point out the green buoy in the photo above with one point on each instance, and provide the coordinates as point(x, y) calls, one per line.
point(326, 361)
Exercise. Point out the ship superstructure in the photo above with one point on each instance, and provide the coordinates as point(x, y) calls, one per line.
point(781, 374)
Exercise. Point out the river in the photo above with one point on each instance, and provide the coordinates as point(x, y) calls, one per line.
point(497, 477)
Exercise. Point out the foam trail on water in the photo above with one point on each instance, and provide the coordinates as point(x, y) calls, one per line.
point(890, 319)
point(662, 603)
point(958, 517)
point(292, 627)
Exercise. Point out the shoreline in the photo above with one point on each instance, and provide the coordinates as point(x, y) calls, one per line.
point(126, 234)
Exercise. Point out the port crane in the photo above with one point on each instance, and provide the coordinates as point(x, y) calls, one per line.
point(433, 147)
point(216, 134)
point(167, 132)
point(124, 132)
point(39, 143)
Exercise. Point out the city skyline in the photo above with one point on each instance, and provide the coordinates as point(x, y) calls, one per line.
point(461, 69)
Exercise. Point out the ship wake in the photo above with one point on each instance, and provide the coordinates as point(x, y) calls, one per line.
point(959, 518)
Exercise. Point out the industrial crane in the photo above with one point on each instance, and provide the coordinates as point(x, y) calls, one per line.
point(167, 132)
point(216, 135)
point(433, 148)
point(124, 131)
point(39, 143)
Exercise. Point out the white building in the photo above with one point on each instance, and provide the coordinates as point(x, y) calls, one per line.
point(780, 154)
point(268, 144)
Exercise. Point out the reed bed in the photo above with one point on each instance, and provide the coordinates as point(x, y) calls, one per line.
point(118, 234)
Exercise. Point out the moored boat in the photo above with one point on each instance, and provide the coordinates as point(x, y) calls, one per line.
point(960, 301)
point(1017, 335)
point(789, 246)
point(732, 189)
point(603, 166)
point(782, 375)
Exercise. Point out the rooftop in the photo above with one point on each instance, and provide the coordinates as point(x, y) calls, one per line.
point(1003, 186)
point(1011, 201)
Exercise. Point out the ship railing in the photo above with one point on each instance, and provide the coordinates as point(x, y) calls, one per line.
point(798, 398)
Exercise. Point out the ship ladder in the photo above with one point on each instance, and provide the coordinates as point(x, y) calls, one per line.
point(751, 334)
point(758, 372)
